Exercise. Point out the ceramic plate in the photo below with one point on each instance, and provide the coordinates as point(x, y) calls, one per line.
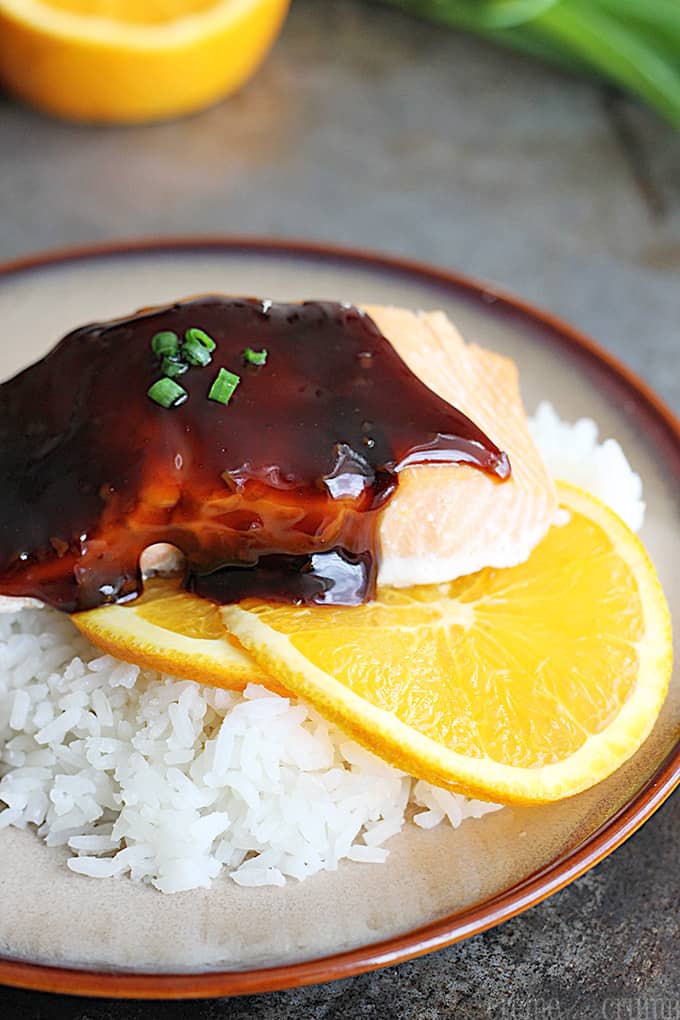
point(64, 932)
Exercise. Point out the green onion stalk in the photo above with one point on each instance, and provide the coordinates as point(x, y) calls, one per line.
point(632, 43)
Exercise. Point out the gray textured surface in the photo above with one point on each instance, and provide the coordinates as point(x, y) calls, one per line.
point(369, 129)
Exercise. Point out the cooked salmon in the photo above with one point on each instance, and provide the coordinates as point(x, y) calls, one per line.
point(446, 520)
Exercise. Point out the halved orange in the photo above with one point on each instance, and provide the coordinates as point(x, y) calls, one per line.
point(132, 60)
point(522, 685)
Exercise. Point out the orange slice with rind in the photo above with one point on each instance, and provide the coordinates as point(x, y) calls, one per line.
point(173, 632)
point(524, 685)
point(128, 61)
point(521, 685)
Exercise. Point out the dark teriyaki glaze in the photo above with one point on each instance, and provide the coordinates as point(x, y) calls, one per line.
point(275, 495)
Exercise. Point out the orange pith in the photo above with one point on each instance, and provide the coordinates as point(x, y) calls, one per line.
point(166, 605)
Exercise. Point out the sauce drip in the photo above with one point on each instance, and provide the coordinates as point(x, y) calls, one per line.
point(276, 494)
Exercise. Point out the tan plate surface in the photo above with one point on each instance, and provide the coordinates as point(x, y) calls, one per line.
point(436, 886)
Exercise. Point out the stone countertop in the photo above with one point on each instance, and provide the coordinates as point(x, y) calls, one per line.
point(371, 129)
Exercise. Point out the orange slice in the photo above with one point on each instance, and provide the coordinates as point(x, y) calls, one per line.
point(522, 685)
point(173, 632)
point(132, 60)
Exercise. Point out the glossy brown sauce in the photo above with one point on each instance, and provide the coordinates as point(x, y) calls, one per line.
point(276, 494)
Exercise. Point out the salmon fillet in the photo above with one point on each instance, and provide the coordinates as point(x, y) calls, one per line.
point(445, 521)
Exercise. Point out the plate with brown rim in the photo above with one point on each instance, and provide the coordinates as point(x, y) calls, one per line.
point(63, 932)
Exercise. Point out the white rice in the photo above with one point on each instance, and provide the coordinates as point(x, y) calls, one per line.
point(600, 468)
point(173, 783)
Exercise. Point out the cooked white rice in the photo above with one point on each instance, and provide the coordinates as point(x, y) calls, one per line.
point(600, 468)
point(173, 783)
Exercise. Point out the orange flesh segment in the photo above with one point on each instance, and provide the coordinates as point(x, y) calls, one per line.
point(175, 633)
point(131, 11)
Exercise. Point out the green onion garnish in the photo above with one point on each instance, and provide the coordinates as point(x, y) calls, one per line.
point(172, 367)
point(165, 344)
point(223, 387)
point(255, 357)
point(167, 393)
point(195, 353)
point(198, 334)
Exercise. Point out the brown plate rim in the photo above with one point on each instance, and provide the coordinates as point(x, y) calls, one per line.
point(641, 402)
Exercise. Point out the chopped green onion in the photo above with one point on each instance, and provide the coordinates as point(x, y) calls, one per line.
point(172, 367)
point(167, 393)
point(165, 344)
point(223, 386)
point(255, 357)
point(195, 352)
point(198, 334)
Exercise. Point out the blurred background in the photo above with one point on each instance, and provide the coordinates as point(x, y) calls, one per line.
point(369, 126)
